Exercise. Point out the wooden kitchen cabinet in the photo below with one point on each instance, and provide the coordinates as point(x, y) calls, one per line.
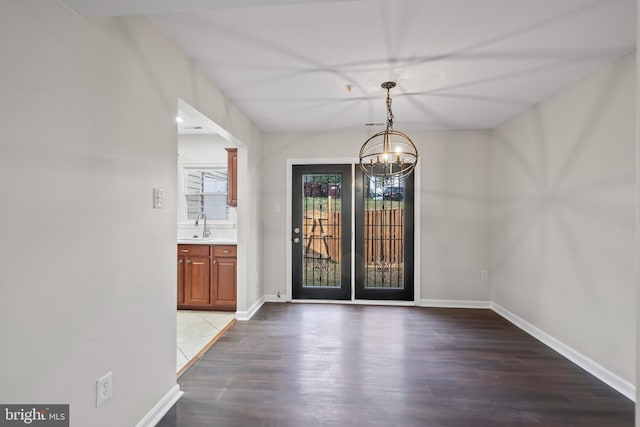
point(224, 277)
point(232, 176)
point(194, 275)
point(207, 277)
point(197, 275)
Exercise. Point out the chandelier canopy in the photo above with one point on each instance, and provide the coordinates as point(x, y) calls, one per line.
point(389, 153)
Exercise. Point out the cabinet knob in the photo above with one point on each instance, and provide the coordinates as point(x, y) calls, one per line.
point(215, 261)
point(188, 261)
point(226, 251)
point(180, 261)
point(184, 250)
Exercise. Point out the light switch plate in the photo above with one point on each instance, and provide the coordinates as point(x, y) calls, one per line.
point(158, 198)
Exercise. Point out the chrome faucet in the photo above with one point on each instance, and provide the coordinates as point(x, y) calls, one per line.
point(205, 230)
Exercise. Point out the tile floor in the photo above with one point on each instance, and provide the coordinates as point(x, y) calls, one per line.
point(195, 330)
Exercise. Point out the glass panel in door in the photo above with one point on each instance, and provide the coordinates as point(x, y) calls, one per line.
point(384, 238)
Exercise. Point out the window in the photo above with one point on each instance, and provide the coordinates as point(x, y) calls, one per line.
point(206, 192)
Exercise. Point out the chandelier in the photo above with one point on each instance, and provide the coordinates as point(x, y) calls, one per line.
point(388, 153)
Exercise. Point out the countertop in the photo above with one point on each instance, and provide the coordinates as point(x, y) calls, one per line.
point(209, 241)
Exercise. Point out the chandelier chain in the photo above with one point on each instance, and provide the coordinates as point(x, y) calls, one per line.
point(389, 112)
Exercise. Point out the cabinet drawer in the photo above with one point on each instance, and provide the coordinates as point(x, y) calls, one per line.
point(225, 251)
point(185, 250)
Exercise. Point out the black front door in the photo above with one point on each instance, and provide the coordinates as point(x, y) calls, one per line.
point(321, 232)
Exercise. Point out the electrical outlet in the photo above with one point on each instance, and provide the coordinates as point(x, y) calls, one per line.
point(104, 389)
point(484, 275)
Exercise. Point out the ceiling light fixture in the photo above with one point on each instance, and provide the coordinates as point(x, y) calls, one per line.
point(388, 153)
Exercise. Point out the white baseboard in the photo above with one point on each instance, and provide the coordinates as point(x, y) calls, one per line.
point(275, 298)
point(446, 303)
point(283, 298)
point(246, 315)
point(156, 413)
point(595, 369)
point(441, 303)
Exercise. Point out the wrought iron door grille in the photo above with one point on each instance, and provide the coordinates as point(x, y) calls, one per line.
point(384, 232)
point(321, 230)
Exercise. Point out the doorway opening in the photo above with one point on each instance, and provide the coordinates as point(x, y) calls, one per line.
point(209, 244)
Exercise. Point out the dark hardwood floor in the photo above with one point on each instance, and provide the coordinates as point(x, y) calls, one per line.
point(345, 365)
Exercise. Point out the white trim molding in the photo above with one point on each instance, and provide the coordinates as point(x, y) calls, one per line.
point(247, 315)
point(284, 298)
point(156, 413)
point(595, 369)
point(275, 298)
point(448, 303)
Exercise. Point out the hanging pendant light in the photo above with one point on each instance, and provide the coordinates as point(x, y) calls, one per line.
point(388, 153)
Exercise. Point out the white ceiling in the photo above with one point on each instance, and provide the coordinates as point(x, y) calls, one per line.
point(188, 125)
point(459, 64)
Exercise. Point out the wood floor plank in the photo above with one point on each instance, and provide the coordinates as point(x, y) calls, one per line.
point(342, 365)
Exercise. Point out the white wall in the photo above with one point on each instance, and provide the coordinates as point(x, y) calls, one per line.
point(454, 191)
point(637, 258)
point(87, 267)
point(563, 217)
point(250, 225)
point(202, 149)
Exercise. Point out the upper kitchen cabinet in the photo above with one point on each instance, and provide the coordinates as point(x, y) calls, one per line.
point(232, 176)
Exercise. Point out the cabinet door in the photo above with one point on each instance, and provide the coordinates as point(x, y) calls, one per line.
point(232, 176)
point(180, 281)
point(224, 282)
point(197, 276)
